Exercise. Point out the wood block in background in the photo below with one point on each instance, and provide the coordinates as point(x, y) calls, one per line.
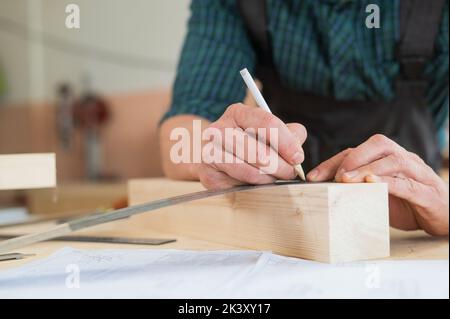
point(325, 222)
point(24, 171)
point(129, 140)
point(75, 198)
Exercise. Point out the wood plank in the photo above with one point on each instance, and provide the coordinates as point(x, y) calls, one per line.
point(327, 222)
point(24, 171)
point(81, 197)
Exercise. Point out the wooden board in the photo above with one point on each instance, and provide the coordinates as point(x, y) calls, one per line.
point(412, 245)
point(78, 197)
point(24, 171)
point(326, 222)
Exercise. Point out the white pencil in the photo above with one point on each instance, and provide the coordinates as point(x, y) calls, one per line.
point(263, 104)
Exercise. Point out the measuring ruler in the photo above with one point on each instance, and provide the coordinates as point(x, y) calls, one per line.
point(107, 239)
point(97, 219)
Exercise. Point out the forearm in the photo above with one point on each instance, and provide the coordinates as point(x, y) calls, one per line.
point(182, 171)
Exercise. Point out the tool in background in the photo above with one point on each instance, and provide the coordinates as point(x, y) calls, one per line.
point(65, 125)
point(253, 88)
point(97, 219)
point(106, 239)
point(14, 256)
point(90, 113)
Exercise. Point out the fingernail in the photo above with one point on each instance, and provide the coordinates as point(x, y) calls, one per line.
point(372, 179)
point(297, 158)
point(350, 175)
point(313, 175)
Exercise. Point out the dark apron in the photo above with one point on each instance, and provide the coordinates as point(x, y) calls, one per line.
point(336, 125)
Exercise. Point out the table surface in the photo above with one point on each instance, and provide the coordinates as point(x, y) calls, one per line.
point(404, 245)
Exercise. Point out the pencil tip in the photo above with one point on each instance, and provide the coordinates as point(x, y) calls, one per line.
point(298, 168)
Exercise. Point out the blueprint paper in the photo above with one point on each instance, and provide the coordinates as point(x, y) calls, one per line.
point(146, 273)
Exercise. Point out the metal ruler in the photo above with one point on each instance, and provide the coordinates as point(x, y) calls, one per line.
point(97, 219)
point(106, 239)
point(14, 256)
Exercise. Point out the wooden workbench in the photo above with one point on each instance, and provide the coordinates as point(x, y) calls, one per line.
point(404, 245)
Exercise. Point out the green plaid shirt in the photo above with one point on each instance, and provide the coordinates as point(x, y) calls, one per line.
point(319, 46)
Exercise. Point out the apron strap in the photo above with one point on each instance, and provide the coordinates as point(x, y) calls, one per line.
point(254, 15)
point(419, 26)
point(409, 122)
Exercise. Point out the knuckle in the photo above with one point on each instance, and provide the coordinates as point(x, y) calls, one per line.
point(411, 186)
point(395, 184)
point(268, 120)
point(400, 160)
point(251, 176)
point(349, 162)
point(348, 150)
point(416, 158)
point(233, 107)
point(208, 179)
point(379, 139)
point(232, 110)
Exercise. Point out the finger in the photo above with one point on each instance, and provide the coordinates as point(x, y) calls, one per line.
point(327, 170)
point(405, 188)
point(238, 147)
point(376, 147)
point(211, 178)
point(245, 173)
point(287, 143)
point(299, 131)
point(399, 164)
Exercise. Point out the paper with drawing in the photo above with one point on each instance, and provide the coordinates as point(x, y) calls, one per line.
point(138, 273)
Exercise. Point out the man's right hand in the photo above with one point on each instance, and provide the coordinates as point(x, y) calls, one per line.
point(241, 170)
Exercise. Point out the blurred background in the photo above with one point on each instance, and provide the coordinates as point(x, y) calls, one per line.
point(124, 55)
point(91, 95)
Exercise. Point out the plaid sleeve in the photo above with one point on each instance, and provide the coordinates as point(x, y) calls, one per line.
point(437, 72)
point(215, 49)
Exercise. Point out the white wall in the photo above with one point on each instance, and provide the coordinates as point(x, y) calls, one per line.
point(14, 51)
point(125, 45)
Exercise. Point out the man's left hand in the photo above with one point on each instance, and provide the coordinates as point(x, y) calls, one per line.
point(418, 197)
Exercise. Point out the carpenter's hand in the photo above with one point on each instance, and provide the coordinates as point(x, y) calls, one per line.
point(418, 197)
point(240, 117)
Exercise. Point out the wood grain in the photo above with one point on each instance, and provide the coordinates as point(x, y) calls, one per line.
point(325, 222)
